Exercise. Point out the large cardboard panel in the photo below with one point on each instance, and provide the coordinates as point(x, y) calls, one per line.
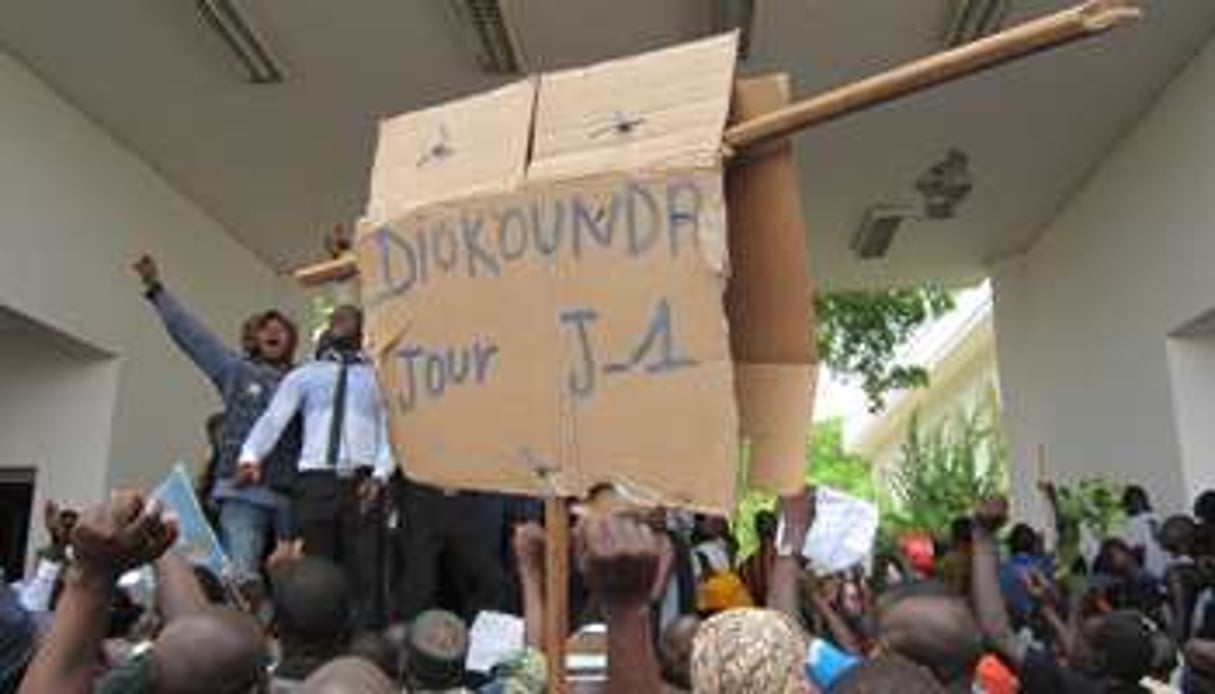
point(581, 334)
point(660, 110)
point(551, 330)
point(769, 300)
point(473, 145)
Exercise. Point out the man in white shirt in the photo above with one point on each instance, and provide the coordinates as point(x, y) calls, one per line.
point(344, 461)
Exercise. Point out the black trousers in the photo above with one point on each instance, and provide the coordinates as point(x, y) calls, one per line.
point(451, 551)
point(328, 518)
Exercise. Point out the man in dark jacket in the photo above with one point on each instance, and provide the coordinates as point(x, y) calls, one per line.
point(246, 383)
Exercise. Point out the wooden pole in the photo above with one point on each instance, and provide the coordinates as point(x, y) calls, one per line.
point(338, 269)
point(1092, 18)
point(1089, 19)
point(556, 589)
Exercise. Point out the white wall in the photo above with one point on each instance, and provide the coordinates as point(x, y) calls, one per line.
point(75, 208)
point(55, 410)
point(1192, 368)
point(1082, 318)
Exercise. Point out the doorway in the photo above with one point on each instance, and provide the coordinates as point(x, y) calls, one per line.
point(16, 510)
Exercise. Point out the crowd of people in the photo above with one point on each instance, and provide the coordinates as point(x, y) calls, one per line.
point(346, 576)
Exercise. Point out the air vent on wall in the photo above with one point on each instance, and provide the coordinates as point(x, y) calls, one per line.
point(942, 188)
point(874, 236)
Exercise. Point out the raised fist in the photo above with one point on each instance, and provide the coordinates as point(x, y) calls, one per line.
point(620, 557)
point(146, 268)
point(992, 513)
point(338, 241)
point(127, 532)
point(529, 548)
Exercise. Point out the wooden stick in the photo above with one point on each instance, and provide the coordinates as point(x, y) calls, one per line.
point(556, 589)
point(1089, 19)
point(338, 269)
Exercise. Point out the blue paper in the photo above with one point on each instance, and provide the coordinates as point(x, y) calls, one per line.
point(196, 540)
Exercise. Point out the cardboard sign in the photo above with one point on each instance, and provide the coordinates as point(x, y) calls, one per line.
point(546, 323)
point(769, 301)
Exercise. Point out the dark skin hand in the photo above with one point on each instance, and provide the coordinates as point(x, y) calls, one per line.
point(108, 540)
point(149, 274)
point(339, 241)
point(841, 633)
point(620, 557)
point(58, 523)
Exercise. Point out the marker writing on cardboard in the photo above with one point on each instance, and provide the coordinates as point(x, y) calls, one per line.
point(632, 217)
point(431, 372)
point(656, 351)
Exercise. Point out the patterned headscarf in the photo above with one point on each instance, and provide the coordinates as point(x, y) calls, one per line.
point(749, 650)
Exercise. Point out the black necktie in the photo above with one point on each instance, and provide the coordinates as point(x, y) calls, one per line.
point(338, 416)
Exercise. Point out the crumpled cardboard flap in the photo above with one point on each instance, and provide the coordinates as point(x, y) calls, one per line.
point(769, 300)
point(544, 327)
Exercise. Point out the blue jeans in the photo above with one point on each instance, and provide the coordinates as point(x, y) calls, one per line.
point(243, 529)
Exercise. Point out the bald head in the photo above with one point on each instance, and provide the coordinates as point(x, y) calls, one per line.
point(938, 632)
point(347, 675)
point(675, 651)
point(216, 650)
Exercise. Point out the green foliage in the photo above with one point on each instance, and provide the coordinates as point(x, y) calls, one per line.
point(827, 464)
point(945, 470)
point(1093, 504)
point(320, 305)
point(859, 332)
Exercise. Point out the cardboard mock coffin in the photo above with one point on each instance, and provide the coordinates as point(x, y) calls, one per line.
point(555, 298)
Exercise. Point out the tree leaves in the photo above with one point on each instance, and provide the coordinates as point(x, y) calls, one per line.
point(860, 331)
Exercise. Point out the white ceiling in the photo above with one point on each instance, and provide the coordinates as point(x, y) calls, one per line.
point(278, 165)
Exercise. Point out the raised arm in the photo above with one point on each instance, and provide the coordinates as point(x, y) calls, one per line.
point(529, 552)
point(620, 557)
point(203, 347)
point(797, 514)
point(177, 590)
point(1041, 589)
point(269, 427)
point(985, 582)
point(841, 633)
point(1051, 532)
point(108, 540)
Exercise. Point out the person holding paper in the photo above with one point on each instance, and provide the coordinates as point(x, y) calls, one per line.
point(245, 381)
point(345, 458)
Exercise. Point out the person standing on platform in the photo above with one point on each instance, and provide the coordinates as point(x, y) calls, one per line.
point(246, 381)
point(345, 459)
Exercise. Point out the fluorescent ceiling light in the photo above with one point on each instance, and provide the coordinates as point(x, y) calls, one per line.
point(729, 15)
point(970, 20)
point(486, 29)
point(246, 44)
